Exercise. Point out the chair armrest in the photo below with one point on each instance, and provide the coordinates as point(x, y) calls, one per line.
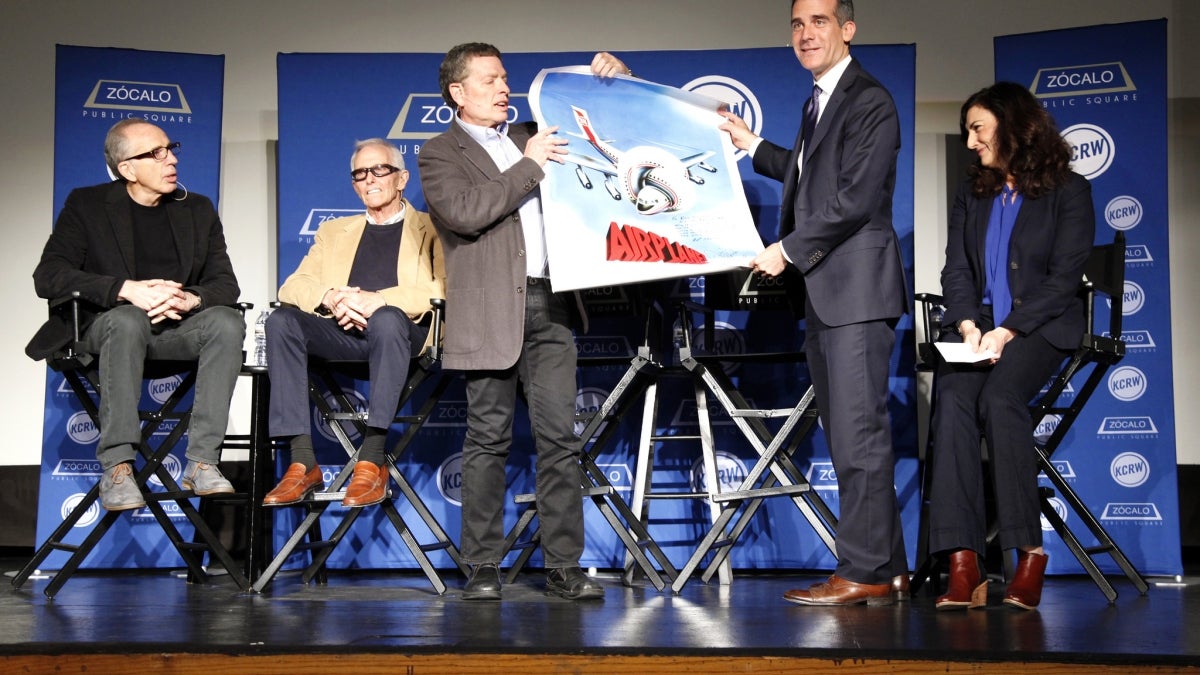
point(75, 299)
point(930, 305)
point(73, 296)
point(439, 315)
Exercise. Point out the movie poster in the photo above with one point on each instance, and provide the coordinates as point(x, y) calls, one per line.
point(649, 188)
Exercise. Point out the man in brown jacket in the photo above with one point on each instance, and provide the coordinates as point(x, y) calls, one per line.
point(509, 329)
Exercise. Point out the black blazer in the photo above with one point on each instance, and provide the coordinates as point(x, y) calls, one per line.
point(1051, 241)
point(91, 250)
point(836, 222)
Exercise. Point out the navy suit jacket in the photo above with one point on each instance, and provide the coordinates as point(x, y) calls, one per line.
point(836, 221)
point(1051, 241)
point(91, 250)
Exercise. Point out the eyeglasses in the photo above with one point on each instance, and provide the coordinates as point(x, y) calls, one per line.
point(379, 171)
point(159, 153)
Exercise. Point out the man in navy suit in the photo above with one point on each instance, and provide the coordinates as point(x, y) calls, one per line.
point(836, 229)
point(152, 259)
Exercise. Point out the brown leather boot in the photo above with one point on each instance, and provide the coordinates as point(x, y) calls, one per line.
point(965, 590)
point(1025, 590)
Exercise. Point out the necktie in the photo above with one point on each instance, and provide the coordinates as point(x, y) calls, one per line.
point(811, 109)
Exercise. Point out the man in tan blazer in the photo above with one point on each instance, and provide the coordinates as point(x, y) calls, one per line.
point(361, 293)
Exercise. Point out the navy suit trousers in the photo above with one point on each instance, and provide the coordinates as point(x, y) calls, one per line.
point(849, 366)
point(387, 345)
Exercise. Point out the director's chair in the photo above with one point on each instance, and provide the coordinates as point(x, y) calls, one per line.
point(336, 412)
point(80, 370)
point(774, 473)
point(1099, 349)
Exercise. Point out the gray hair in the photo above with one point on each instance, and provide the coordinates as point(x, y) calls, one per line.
point(845, 11)
point(395, 157)
point(116, 144)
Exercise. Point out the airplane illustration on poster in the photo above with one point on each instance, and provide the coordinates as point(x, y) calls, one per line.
point(649, 188)
point(650, 177)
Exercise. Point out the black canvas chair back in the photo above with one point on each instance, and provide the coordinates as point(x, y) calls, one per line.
point(599, 428)
point(80, 371)
point(338, 412)
point(1102, 290)
point(774, 473)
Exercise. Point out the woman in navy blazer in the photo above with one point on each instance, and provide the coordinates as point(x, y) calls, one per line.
point(1020, 233)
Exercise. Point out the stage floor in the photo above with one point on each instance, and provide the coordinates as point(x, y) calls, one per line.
point(112, 617)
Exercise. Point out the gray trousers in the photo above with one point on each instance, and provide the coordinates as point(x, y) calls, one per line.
point(546, 372)
point(124, 338)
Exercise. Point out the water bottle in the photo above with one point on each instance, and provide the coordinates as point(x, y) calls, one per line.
point(260, 338)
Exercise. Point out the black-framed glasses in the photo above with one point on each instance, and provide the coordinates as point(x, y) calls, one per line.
point(379, 171)
point(159, 153)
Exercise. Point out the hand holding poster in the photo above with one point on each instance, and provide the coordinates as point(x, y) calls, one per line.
point(672, 203)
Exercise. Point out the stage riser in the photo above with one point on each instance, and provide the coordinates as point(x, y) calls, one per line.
point(470, 664)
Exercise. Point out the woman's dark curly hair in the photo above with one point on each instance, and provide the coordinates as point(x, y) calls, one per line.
point(1028, 145)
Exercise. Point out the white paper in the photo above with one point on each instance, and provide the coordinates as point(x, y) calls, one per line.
point(960, 352)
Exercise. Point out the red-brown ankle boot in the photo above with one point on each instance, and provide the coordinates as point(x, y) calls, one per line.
point(965, 589)
point(1025, 590)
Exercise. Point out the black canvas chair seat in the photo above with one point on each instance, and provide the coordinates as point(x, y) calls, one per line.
point(307, 537)
point(80, 371)
point(1099, 349)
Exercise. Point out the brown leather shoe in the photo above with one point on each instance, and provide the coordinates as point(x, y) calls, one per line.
point(964, 590)
point(900, 592)
point(839, 591)
point(1025, 589)
point(367, 486)
point(295, 485)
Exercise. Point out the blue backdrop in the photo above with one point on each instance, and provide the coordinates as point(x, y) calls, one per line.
point(327, 101)
point(94, 89)
point(1107, 88)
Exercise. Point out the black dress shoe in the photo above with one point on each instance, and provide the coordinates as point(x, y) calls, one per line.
point(571, 583)
point(484, 583)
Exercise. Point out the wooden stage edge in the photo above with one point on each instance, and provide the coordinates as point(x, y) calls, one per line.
point(400, 663)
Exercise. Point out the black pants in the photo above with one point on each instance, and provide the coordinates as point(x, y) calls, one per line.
point(995, 401)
